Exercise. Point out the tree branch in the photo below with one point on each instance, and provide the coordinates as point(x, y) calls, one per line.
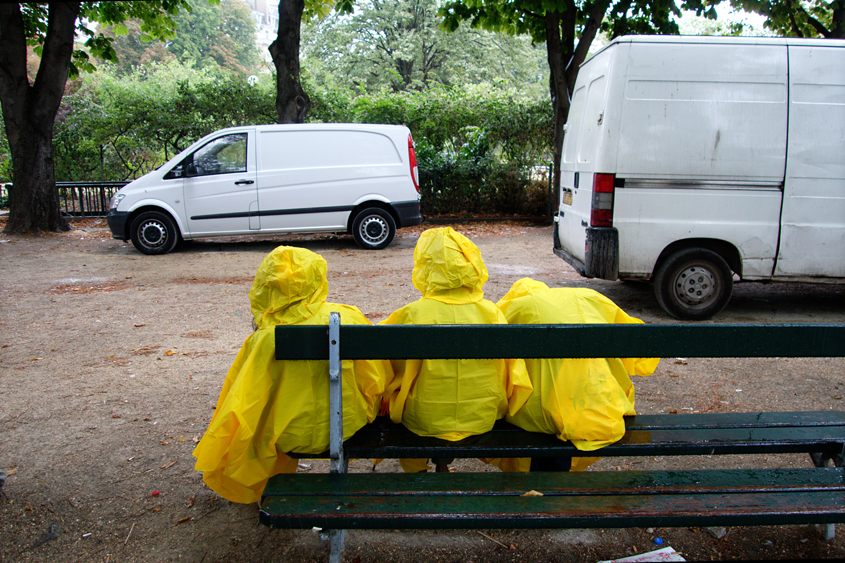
point(819, 26)
point(49, 86)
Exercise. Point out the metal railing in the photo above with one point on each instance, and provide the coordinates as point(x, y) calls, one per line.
point(86, 199)
point(79, 199)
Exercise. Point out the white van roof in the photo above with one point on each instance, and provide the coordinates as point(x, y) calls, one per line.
point(720, 40)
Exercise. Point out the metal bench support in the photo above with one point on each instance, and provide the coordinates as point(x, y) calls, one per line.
point(339, 463)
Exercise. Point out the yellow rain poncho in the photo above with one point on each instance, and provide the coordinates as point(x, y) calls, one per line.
point(452, 399)
point(581, 400)
point(269, 407)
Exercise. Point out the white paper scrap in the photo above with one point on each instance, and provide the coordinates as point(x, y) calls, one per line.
point(665, 554)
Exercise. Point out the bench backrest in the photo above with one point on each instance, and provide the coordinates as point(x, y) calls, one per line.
point(563, 341)
point(336, 343)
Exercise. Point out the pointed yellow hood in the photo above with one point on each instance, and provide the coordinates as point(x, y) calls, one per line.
point(448, 267)
point(289, 287)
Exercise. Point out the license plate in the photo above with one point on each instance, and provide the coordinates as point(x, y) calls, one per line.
point(567, 198)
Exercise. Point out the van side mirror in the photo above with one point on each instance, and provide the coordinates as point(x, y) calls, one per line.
point(191, 170)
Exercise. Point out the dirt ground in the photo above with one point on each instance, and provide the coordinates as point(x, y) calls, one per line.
point(111, 363)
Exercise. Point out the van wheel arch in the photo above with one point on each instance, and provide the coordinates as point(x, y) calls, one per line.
point(361, 206)
point(726, 250)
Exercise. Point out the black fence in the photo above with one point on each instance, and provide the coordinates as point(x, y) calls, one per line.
point(86, 199)
point(78, 199)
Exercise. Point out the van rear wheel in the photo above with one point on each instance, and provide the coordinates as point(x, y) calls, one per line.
point(153, 232)
point(373, 228)
point(693, 284)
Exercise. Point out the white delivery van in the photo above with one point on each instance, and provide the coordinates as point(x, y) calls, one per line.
point(690, 161)
point(312, 178)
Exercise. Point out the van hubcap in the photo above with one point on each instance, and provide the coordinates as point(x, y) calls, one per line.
point(373, 229)
point(153, 233)
point(695, 285)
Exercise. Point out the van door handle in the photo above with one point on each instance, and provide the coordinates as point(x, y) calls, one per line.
point(239, 182)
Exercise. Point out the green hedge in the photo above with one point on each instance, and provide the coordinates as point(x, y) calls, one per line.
point(476, 146)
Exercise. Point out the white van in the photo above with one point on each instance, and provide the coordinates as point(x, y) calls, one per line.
point(313, 178)
point(691, 160)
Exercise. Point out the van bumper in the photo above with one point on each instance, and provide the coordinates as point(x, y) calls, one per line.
point(408, 212)
point(601, 256)
point(117, 221)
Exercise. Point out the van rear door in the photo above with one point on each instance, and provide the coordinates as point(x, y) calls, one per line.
point(812, 240)
point(584, 151)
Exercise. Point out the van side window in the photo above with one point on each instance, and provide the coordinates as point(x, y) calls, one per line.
point(223, 155)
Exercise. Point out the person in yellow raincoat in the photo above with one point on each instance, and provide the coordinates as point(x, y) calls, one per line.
point(580, 400)
point(268, 407)
point(452, 399)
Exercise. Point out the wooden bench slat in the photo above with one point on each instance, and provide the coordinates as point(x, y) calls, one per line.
point(494, 483)
point(646, 435)
point(592, 499)
point(694, 421)
point(737, 420)
point(563, 341)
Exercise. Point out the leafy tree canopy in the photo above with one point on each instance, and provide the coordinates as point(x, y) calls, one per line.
point(398, 44)
point(213, 34)
point(156, 22)
point(216, 34)
point(799, 18)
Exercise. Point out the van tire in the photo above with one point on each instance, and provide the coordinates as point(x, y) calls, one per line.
point(693, 284)
point(153, 232)
point(373, 228)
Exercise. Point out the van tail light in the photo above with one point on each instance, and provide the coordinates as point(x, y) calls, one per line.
point(415, 172)
point(601, 214)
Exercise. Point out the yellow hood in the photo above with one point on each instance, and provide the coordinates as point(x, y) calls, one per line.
point(448, 267)
point(520, 288)
point(289, 287)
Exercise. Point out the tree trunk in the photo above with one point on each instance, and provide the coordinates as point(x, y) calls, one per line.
point(292, 103)
point(29, 112)
point(564, 60)
point(558, 89)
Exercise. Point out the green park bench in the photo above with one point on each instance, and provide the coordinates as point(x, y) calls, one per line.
point(592, 499)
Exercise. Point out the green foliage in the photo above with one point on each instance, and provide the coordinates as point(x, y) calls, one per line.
point(216, 34)
point(156, 17)
point(790, 18)
point(519, 129)
point(131, 124)
point(5, 157)
point(476, 147)
point(399, 45)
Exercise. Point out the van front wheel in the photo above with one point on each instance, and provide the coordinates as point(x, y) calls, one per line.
point(373, 228)
point(693, 284)
point(153, 232)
